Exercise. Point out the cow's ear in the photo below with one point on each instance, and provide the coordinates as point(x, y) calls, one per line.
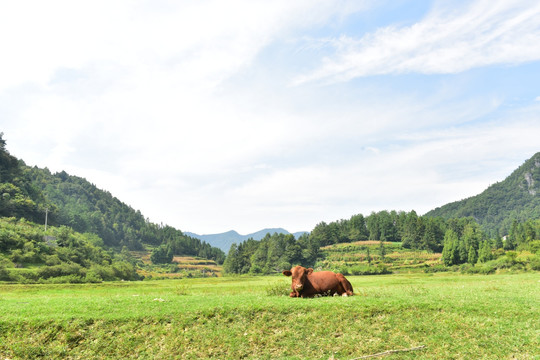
point(309, 271)
point(287, 272)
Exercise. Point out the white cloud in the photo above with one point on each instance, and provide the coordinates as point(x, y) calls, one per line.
point(117, 91)
point(176, 110)
point(149, 77)
point(446, 41)
point(198, 43)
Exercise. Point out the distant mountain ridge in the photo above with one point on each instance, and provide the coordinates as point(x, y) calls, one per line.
point(515, 198)
point(226, 239)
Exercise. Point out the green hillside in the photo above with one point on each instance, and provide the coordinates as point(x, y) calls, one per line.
point(516, 198)
point(81, 205)
point(30, 254)
point(73, 203)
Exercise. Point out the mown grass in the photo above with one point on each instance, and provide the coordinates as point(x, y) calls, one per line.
point(454, 316)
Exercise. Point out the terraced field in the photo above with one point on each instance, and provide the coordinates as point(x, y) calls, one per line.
point(181, 267)
point(364, 254)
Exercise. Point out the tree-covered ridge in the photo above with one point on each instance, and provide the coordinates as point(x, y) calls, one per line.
point(495, 209)
point(18, 196)
point(28, 192)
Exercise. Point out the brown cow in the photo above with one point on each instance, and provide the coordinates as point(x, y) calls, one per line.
point(306, 283)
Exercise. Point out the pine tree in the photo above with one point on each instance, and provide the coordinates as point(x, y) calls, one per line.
point(462, 252)
point(510, 242)
point(472, 257)
point(231, 264)
point(498, 242)
point(470, 238)
point(449, 250)
point(484, 255)
point(382, 250)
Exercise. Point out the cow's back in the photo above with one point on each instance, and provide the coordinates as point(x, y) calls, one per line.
point(323, 281)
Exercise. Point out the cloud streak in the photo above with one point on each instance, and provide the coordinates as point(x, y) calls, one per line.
point(446, 41)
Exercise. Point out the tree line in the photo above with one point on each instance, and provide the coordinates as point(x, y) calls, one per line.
point(415, 232)
point(470, 245)
point(460, 240)
point(274, 253)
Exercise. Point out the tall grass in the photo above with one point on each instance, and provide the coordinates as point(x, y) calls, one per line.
point(454, 316)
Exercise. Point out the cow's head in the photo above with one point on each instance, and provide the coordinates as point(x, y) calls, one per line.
point(299, 275)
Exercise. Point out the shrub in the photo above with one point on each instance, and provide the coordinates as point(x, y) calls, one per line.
point(4, 273)
point(125, 271)
point(369, 270)
point(72, 279)
point(92, 277)
point(105, 273)
point(24, 275)
point(484, 269)
point(436, 268)
point(535, 263)
point(277, 289)
point(63, 269)
point(534, 247)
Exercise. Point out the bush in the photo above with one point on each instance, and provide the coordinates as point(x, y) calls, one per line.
point(105, 273)
point(161, 255)
point(535, 263)
point(436, 268)
point(93, 277)
point(52, 260)
point(24, 275)
point(369, 270)
point(484, 269)
point(125, 271)
point(63, 269)
point(534, 247)
point(4, 274)
point(277, 289)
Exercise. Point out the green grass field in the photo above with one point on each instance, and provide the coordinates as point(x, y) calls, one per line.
point(453, 316)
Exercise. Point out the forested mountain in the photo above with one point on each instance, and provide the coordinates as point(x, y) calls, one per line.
point(517, 198)
point(18, 196)
point(28, 192)
point(226, 239)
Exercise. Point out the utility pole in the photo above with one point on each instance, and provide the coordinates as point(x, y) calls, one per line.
point(46, 215)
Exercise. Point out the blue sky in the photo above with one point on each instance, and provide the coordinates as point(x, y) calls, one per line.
point(211, 115)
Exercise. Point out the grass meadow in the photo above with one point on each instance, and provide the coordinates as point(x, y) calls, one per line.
point(454, 316)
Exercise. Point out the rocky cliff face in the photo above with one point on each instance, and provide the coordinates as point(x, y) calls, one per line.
point(530, 176)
